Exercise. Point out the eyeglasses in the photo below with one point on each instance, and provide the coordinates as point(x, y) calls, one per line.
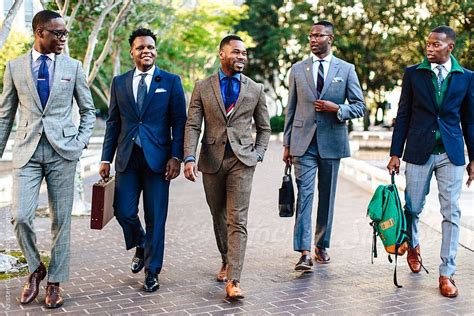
point(317, 35)
point(59, 34)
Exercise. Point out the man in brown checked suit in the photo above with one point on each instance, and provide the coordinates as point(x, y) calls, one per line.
point(227, 101)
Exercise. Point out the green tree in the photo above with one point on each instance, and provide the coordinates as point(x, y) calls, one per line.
point(16, 44)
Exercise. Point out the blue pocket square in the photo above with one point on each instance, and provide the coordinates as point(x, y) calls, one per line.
point(337, 79)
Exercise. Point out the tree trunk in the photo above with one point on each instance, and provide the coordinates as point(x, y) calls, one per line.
point(7, 23)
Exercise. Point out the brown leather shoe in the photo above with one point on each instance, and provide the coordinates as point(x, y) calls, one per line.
point(222, 275)
point(414, 259)
point(31, 287)
point(233, 290)
point(53, 297)
point(321, 255)
point(447, 287)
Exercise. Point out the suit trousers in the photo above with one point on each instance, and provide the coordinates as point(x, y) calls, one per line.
point(59, 174)
point(137, 178)
point(306, 167)
point(449, 178)
point(228, 196)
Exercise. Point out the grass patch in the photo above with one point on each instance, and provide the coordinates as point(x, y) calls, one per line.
point(23, 272)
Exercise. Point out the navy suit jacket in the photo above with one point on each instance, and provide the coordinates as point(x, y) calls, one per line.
point(160, 124)
point(419, 117)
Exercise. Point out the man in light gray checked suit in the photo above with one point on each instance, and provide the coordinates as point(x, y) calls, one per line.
point(316, 136)
point(42, 85)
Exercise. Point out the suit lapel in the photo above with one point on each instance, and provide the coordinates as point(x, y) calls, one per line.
point(27, 60)
point(151, 92)
point(243, 91)
point(58, 71)
point(426, 74)
point(333, 69)
point(129, 91)
point(308, 72)
point(216, 87)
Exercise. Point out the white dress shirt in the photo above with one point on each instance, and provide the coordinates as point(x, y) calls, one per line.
point(445, 69)
point(327, 61)
point(137, 77)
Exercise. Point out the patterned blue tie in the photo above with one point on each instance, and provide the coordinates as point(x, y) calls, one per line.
point(43, 80)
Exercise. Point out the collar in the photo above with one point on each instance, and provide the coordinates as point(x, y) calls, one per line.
point(222, 75)
point(316, 58)
point(455, 67)
point(150, 71)
point(447, 65)
point(35, 55)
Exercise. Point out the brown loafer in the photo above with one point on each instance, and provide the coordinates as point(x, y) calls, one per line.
point(447, 287)
point(414, 259)
point(233, 290)
point(222, 275)
point(53, 297)
point(31, 288)
point(321, 255)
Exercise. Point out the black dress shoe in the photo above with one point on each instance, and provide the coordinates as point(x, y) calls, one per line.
point(151, 283)
point(321, 255)
point(138, 261)
point(305, 263)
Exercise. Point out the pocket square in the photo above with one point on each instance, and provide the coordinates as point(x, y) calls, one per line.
point(65, 79)
point(337, 79)
point(160, 90)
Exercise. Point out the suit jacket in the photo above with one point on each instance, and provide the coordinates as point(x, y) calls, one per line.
point(419, 117)
point(302, 121)
point(207, 104)
point(56, 120)
point(160, 123)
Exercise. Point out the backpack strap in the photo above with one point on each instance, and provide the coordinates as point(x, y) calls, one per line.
point(374, 241)
point(395, 281)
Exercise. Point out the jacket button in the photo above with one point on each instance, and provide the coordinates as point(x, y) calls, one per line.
point(133, 138)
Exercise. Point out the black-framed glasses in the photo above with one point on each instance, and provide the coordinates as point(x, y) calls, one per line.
point(317, 35)
point(59, 33)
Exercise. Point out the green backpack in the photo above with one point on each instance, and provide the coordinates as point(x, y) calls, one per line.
point(388, 222)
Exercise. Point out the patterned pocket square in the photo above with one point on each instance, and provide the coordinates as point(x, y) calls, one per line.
point(337, 79)
point(160, 90)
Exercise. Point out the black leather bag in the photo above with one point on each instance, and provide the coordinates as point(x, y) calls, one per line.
point(286, 195)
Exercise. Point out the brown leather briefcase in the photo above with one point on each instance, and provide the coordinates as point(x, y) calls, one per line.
point(102, 203)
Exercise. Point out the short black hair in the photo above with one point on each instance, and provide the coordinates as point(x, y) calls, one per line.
point(446, 30)
point(141, 32)
point(226, 40)
point(43, 17)
point(326, 24)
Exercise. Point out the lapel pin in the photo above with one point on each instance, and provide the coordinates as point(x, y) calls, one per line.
point(157, 78)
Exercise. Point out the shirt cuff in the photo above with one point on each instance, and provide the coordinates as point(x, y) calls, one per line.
point(339, 114)
point(176, 158)
point(259, 157)
point(105, 161)
point(189, 159)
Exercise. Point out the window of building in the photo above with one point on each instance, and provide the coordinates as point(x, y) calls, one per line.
point(28, 12)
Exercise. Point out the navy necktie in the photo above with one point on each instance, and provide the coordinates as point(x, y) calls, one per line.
point(229, 96)
point(141, 95)
point(320, 81)
point(43, 80)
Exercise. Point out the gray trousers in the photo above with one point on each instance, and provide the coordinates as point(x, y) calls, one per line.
point(59, 174)
point(228, 196)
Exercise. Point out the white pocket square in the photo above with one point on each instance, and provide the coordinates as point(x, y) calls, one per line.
point(337, 79)
point(160, 90)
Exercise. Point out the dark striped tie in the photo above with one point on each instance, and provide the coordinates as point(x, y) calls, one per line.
point(141, 95)
point(320, 82)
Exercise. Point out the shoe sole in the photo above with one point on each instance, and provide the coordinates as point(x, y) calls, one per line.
point(53, 306)
point(221, 280)
point(323, 261)
point(136, 271)
point(236, 297)
point(302, 268)
point(149, 290)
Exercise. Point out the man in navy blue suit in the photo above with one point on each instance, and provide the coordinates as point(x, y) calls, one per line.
point(436, 101)
point(145, 130)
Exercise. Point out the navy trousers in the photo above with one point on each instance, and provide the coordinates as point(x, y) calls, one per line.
point(137, 178)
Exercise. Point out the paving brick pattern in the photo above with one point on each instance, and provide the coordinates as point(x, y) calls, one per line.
point(102, 284)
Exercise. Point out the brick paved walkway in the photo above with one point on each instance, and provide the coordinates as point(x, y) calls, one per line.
point(101, 282)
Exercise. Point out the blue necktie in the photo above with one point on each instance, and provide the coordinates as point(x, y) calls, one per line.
point(43, 80)
point(141, 95)
point(229, 97)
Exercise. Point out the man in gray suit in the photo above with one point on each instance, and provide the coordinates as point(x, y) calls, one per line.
point(42, 84)
point(316, 136)
point(227, 102)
